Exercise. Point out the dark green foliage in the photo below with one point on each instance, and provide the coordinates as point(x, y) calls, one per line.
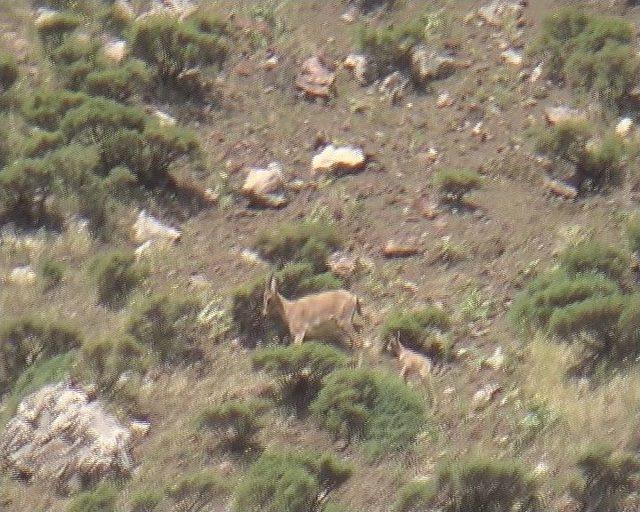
point(101, 499)
point(40, 142)
point(235, 422)
point(56, 25)
point(27, 340)
point(416, 496)
point(633, 235)
point(594, 257)
point(413, 328)
point(290, 482)
point(25, 186)
point(196, 491)
point(590, 51)
point(566, 140)
point(375, 407)
point(47, 108)
point(118, 83)
point(608, 477)
point(8, 71)
point(116, 274)
point(307, 241)
point(104, 360)
point(173, 46)
point(595, 315)
point(145, 500)
point(299, 370)
point(168, 326)
point(475, 484)
point(51, 273)
point(74, 58)
point(453, 184)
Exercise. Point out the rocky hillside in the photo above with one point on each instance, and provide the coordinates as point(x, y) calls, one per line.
point(172, 171)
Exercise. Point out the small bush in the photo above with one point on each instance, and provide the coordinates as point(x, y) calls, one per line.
point(454, 184)
point(41, 142)
point(8, 71)
point(118, 83)
point(608, 478)
point(291, 481)
point(27, 340)
point(74, 57)
point(116, 274)
point(56, 25)
point(196, 491)
point(47, 108)
point(594, 257)
point(416, 496)
point(633, 235)
point(299, 370)
point(413, 328)
point(168, 326)
point(235, 422)
point(145, 500)
point(479, 483)
point(375, 407)
point(51, 273)
point(101, 499)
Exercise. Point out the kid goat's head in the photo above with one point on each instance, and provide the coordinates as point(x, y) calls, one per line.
point(270, 296)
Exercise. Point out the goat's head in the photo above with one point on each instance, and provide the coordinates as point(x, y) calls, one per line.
point(270, 296)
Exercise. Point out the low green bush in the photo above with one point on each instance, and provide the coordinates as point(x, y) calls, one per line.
point(25, 186)
point(74, 57)
point(454, 184)
point(25, 341)
point(145, 500)
point(51, 273)
point(592, 256)
point(56, 25)
point(299, 370)
point(168, 326)
point(116, 275)
point(607, 478)
point(46, 108)
point(101, 499)
point(198, 490)
point(416, 496)
point(415, 329)
point(119, 82)
point(633, 235)
point(290, 481)
point(235, 422)
point(41, 142)
point(374, 407)
point(8, 71)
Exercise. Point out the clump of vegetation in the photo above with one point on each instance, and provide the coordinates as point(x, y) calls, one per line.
point(54, 26)
point(27, 340)
point(374, 407)
point(195, 491)
point(101, 499)
point(51, 273)
point(472, 484)
point(423, 329)
point(607, 478)
point(597, 164)
point(46, 108)
point(592, 52)
point(8, 72)
point(454, 184)
point(292, 481)
point(593, 257)
point(168, 326)
point(299, 370)
point(235, 422)
point(116, 274)
point(145, 500)
point(119, 83)
point(633, 235)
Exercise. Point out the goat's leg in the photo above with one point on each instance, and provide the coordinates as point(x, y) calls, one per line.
point(403, 373)
point(298, 338)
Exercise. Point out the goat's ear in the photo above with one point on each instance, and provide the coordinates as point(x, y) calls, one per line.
point(274, 284)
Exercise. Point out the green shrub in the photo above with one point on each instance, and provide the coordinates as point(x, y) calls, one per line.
point(416, 496)
point(196, 491)
point(307, 241)
point(592, 52)
point(145, 500)
point(56, 25)
point(118, 83)
point(633, 235)
point(477, 484)
point(101, 499)
point(168, 326)
point(116, 274)
point(413, 328)
point(104, 360)
point(74, 57)
point(25, 186)
point(173, 46)
point(566, 140)
point(375, 407)
point(41, 142)
point(27, 340)
point(51, 273)
point(608, 478)
point(594, 257)
point(235, 422)
point(290, 482)
point(47, 108)
point(596, 315)
point(299, 370)
point(8, 71)
point(454, 184)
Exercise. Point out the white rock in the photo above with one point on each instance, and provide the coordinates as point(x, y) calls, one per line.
point(265, 187)
point(163, 118)
point(316, 78)
point(394, 86)
point(444, 100)
point(561, 114)
point(342, 264)
point(139, 429)
point(484, 396)
point(253, 258)
point(359, 65)
point(536, 73)
point(22, 275)
point(498, 11)
point(115, 51)
point(513, 57)
point(333, 159)
point(624, 127)
point(148, 228)
point(496, 361)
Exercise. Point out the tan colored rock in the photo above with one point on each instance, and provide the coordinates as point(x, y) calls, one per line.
point(624, 127)
point(115, 51)
point(561, 114)
point(401, 248)
point(265, 187)
point(139, 429)
point(316, 78)
point(163, 118)
point(59, 436)
point(444, 100)
point(536, 73)
point(428, 65)
point(513, 57)
point(561, 189)
point(496, 361)
point(148, 228)
point(394, 86)
point(498, 12)
point(338, 159)
point(342, 264)
point(22, 276)
point(484, 396)
point(360, 66)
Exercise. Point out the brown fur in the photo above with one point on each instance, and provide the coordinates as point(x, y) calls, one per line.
point(413, 363)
